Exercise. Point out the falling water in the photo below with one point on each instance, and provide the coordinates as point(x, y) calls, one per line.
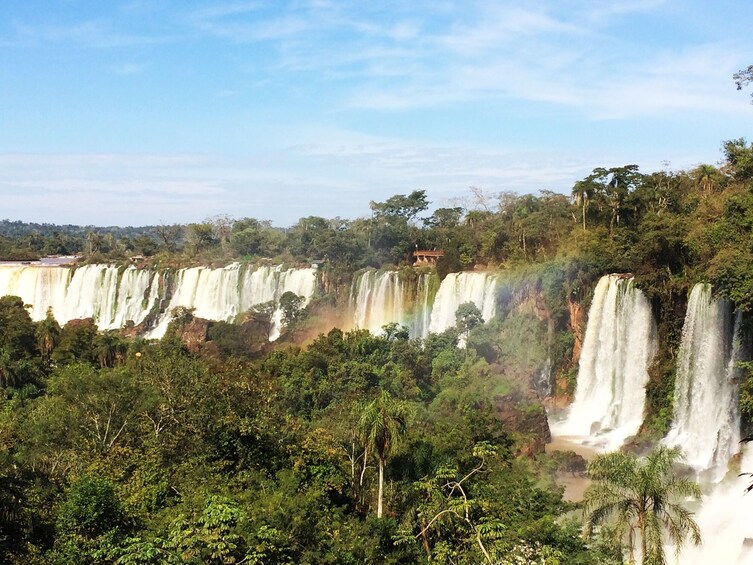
point(222, 294)
point(422, 318)
point(459, 288)
point(113, 296)
point(707, 419)
point(377, 299)
point(380, 298)
point(110, 296)
point(618, 347)
point(542, 382)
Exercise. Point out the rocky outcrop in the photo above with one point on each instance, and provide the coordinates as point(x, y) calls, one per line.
point(194, 334)
point(527, 418)
point(577, 325)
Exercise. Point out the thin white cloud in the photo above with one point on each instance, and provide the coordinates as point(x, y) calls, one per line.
point(91, 33)
point(331, 173)
point(126, 69)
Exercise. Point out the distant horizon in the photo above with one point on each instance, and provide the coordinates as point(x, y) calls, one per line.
point(449, 202)
point(137, 113)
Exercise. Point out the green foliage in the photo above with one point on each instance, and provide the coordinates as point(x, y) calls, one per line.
point(257, 452)
point(738, 155)
point(292, 308)
point(746, 390)
point(76, 343)
point(18, 346)
point(90, 509)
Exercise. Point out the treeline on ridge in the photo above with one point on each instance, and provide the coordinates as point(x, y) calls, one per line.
point(657, 225)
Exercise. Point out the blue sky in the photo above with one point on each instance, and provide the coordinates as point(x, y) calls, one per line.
point(150, 111)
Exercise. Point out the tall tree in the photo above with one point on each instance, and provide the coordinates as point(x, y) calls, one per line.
point(18, 346)
point(744, 77)
point(382, 424)
point(48, 337)
point(583, 192)
point(639, 497)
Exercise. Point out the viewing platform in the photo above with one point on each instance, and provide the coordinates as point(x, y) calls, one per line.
point(425, 257)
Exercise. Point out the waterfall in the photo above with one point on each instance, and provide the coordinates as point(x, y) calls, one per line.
point(542, 383)
point(221, 294)
point(724, 521)
point(707, 419)
point(376, 300)
point(421, 319)
point(379, 298)
point(459, 288)
point(114, 296)
point(619, 344)
point(101, 292)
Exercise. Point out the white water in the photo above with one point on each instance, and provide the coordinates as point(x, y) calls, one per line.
point(92, 291)
point(96, 291)
point(707, 419)
point(380, 298)
point(724, 519)
point(422, 317)
point(377, 300)
point(457, 289)
point(222, 294)
point(618, 347)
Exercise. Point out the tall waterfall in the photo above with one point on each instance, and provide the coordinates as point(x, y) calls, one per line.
point(707, 419)
point(113, 297)
point(618, 347)
point(422, 317)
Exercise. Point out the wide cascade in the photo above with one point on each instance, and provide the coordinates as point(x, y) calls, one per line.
point(91, 291)
point(618, 347)
point(114, 297)
point(707, 419)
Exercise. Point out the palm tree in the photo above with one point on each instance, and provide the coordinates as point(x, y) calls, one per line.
point(48, 336)
point(382, 424)
point(583, 192)
point(705, 177)
point(637, 497)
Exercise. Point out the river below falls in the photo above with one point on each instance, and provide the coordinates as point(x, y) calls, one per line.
point(575, 485)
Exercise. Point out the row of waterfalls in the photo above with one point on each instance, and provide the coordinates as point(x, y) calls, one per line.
point(618, 347)
point(116, 297)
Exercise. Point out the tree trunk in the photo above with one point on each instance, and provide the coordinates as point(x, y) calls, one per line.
point(631, 548)
point(642, 528)
point(380, 495)
point(584, 214)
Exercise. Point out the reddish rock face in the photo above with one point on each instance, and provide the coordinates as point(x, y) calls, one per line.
point(194, 334)
point(576, 325)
